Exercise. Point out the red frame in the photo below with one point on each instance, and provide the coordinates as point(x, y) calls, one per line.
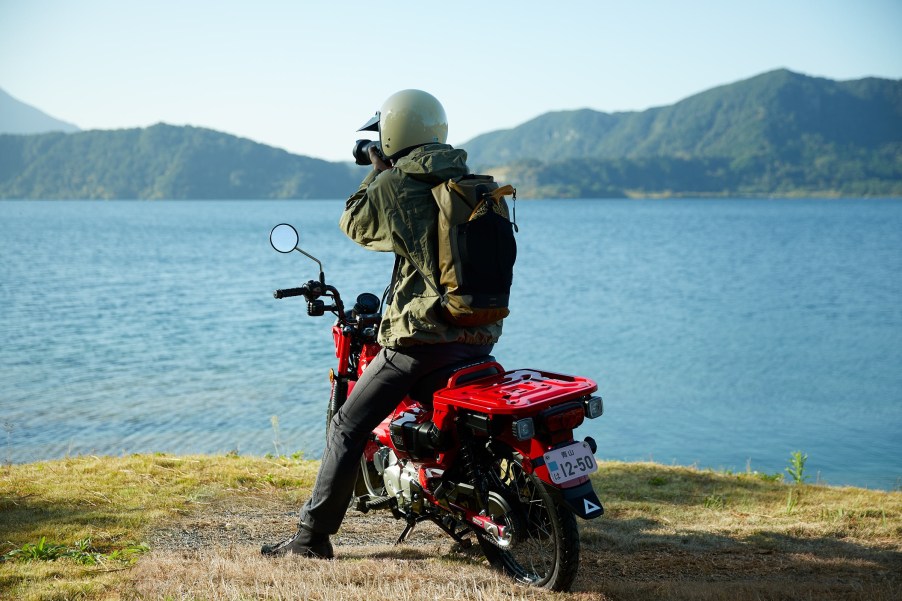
point(343, 353)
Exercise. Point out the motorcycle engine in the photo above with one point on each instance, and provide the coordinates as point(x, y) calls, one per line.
point(401, 480)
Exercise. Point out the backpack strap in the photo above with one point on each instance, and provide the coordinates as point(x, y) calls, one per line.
point(389, 295)
point(505, 190)
point(422, 273)
point(498, 195)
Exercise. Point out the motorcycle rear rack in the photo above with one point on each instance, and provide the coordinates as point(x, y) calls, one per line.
point(519, 391)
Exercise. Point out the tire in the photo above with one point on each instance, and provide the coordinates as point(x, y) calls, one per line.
point(369, 482)
point(337, 398)
point(545, 549)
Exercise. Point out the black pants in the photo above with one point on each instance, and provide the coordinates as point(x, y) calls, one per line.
point(385, 381)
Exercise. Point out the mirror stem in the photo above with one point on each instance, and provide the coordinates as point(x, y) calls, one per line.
point(322, 277)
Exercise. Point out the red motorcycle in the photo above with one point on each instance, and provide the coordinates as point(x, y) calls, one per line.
point(481, 452)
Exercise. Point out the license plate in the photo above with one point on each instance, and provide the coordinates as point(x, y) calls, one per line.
point(570, 462)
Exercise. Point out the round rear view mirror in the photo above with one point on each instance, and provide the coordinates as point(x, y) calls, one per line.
point(284, 238)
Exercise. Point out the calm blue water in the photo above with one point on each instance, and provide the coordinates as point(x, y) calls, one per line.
point(722, 333)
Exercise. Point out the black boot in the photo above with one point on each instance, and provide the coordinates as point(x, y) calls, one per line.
point(304, 542)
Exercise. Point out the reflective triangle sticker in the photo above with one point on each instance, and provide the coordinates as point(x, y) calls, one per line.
point(589, 506)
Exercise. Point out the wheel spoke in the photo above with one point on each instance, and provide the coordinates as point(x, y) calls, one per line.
point(545, 549)
point(533, 555)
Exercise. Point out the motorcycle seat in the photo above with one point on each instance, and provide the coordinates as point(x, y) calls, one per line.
point(427, 386)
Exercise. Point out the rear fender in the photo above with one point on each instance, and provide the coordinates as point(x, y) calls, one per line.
point(581, 499)
point(578, 495)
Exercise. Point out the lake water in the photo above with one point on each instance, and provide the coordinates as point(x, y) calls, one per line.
point(722, 333)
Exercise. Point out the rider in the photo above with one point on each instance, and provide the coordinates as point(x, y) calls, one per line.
point(392, 211)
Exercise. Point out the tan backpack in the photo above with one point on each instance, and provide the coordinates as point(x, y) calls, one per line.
point(476, 249)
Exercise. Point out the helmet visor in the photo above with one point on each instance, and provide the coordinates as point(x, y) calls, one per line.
point(372, 124)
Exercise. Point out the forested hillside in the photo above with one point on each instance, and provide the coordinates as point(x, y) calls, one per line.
point(162, 161)
point(777, 133)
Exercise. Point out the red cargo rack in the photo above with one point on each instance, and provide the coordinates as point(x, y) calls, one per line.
point(524, 391)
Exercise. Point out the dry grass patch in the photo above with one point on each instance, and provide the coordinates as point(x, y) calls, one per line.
point(681, 533)
point(669, 533)
point(117, 503)
point(362, 573)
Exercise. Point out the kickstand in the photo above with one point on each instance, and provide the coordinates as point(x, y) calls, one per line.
point(407, 530)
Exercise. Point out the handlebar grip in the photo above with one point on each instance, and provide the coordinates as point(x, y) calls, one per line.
point(287, 292)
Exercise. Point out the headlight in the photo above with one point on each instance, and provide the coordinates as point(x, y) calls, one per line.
point(594, 406)
point(524, 429)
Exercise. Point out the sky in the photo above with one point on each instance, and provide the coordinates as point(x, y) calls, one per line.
point(304, 75)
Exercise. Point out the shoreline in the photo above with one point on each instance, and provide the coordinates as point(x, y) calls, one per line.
point(812, 479)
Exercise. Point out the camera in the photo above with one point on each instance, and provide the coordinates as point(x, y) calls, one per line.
point(362, 151)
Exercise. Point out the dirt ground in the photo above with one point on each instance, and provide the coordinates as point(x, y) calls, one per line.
point(255, 520)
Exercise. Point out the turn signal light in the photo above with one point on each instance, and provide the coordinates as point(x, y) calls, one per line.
point(594, 407)
point(524, 429)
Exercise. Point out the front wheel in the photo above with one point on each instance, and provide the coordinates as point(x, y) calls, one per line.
point(337, 398)
point(545, 547)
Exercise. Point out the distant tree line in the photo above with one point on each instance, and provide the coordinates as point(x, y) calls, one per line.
point(162, 161)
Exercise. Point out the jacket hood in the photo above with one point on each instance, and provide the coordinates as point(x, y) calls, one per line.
point(434, 163)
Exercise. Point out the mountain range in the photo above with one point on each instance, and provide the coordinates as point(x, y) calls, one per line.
point(778, 134)
point(16, 117)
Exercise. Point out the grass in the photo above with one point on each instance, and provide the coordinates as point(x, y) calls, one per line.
point(82, 551)
point(796, 469)
point(167, 527)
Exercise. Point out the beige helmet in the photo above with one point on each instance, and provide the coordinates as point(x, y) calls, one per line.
point(407, 119)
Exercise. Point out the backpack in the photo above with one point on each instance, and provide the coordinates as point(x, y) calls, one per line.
point(476, 249)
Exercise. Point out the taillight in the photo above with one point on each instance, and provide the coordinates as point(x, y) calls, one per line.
point(567, 419)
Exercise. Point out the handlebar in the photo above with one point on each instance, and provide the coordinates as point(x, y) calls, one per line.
point(312, 290)
point(288, 292)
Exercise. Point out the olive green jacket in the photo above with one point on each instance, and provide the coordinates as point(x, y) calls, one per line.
point(393, 211)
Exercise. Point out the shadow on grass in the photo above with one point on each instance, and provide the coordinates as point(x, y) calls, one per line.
point(403, 553)
point(637, 558)
point(26, 520)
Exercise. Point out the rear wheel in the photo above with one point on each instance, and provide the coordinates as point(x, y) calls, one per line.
point(545, 547)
